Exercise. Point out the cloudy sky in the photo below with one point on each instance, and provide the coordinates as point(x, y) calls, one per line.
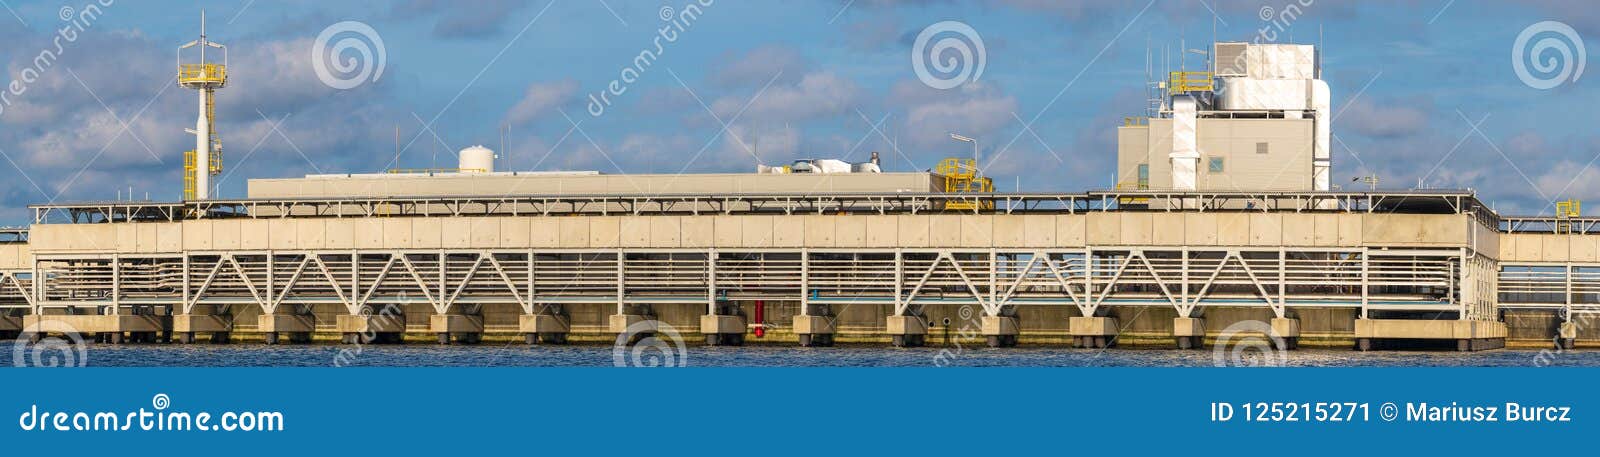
point(1425, 91)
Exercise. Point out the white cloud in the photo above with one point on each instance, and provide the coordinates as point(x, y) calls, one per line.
point(540, 100)
point(816, 95)
point(1393, 118)
point(976, 109)
point(760, 65)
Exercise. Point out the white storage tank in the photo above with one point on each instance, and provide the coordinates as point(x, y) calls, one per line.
point(477, 159)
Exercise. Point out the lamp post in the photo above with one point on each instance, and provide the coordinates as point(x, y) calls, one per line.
point(1370, 180)
point(974, 142)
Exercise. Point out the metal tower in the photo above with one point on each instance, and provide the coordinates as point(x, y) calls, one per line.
point(206, 77)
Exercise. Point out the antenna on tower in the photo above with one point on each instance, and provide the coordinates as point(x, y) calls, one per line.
point(204, 76)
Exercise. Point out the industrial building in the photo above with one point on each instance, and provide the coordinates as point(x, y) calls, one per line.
point(1228, 217)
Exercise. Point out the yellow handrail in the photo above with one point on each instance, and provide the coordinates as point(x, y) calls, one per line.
point(1190, 81)
point(191, 73)
point(1126, 185)
point(962, 176)
point(400, 171)
point(188, 175)
point(1569, 208)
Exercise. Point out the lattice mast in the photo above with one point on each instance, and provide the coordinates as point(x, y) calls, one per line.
point(205, 77)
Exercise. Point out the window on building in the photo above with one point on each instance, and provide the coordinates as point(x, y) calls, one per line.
point(1261, 148)
point(1216, 165)
point(1144, 176)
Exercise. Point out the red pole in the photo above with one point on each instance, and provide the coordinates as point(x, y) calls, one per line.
point(761, 329)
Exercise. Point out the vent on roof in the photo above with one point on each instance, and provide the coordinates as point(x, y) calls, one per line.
point(1230, 59)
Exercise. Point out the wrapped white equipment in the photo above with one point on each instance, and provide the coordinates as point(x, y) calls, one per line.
point(1185, 150)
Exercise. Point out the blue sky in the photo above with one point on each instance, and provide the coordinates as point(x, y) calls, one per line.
point(792, 79)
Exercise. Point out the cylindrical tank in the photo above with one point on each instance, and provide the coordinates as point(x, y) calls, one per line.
point(477, 159)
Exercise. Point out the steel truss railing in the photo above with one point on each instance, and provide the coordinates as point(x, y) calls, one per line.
point(1433, 202)
point(997, 281)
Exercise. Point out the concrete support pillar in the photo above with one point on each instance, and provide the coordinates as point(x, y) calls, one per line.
point(814, 330)
point(1469, 335)
point(908, 331)
point(1567, 335)
point(633, 325)
point(1190, 332)
point(1000, 331)
point(1286, 330)
point(1093, 332)
point(380, 328)
point(110, 328)
point(297, 327)
point(547, 328)
point(723, 330)
point(10, 327)
point(186, 326)
point(464, 328)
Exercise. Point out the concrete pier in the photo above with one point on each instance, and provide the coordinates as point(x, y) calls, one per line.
point(1093, 332)
point(635, 326)
point(383, 328)
point(620, 323)
point(723, 330)
point(907, 331)
point(546, 328)
point(814, 330)
point(1000, 331)
point(10, 327)
point(298, 327)
point(1468, 335)
point(1190, 332)
point(185, 326)
point(1287, 331)
point(1567, 335)
point(463, 328)
point(115, 328)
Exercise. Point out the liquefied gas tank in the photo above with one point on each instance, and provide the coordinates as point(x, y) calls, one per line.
point(477, 159)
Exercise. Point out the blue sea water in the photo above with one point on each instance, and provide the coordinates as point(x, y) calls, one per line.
point(413, 355)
